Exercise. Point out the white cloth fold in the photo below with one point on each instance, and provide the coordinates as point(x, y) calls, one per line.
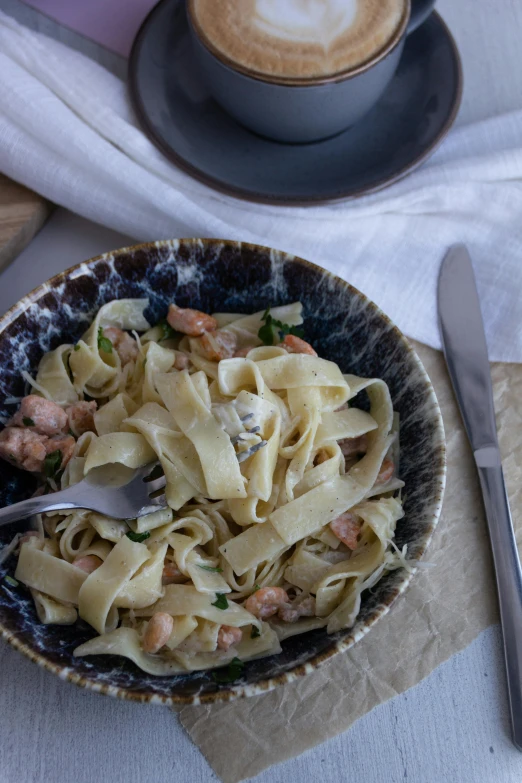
point(68, 132)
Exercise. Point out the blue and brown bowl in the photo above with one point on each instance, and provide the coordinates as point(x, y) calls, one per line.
point(212, 275)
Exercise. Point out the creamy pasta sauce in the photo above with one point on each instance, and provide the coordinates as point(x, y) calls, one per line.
point(281, 498)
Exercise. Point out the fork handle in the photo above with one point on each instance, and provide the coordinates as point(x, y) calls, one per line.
point(60, 501)
point(508, 574)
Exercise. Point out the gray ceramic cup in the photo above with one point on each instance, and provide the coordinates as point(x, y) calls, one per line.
point(302, 110)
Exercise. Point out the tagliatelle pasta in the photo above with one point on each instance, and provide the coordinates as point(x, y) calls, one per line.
point(281, 496)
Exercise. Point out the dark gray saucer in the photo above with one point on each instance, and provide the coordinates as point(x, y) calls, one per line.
point(178, 115)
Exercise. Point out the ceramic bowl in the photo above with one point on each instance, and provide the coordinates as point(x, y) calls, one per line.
point(341, 323)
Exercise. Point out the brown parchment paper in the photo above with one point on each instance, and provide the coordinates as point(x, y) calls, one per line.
point(443, 610)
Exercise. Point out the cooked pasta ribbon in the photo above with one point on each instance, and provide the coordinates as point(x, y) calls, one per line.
point(281, 496)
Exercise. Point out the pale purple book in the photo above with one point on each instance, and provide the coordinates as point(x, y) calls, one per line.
point(112, 23)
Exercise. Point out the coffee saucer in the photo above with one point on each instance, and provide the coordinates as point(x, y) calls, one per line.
point(189, 127)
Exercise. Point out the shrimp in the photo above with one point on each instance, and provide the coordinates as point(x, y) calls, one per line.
point(386, 472)
point(228, 636)
point(301, 607)
point(28, 449)
point(171, 574)
point(28, 535)
point(63, 443)
point(87, 563)
point(191, 322)
point(294, 344)
point(125, 345)
point(181, 362)
point(266, 601)
point(351, 447)
point(42, 416)
point(81, 417)
point(218, 345)
point(23, 448)
point(242, 352)
point(157, 633)
point(347, 527)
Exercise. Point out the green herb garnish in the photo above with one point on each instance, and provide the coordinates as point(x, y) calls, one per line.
point(266, 333)
point(255, 633)
point(168, 331)
point(211, 569)
point(104, 344)
point(138, 537)
point(52, 464)
point(11, 581)
point(256, 588)
point(231, 673)
point(77, 347)
point(221, 601)
point(28, 422)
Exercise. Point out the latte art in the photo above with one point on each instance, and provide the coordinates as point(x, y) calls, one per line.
point(297, 39)
point(305, 21)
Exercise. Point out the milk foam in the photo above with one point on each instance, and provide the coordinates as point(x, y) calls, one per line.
point(299, 39)
point(305, 21)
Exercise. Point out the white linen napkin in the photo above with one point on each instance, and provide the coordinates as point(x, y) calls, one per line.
point(68, 132)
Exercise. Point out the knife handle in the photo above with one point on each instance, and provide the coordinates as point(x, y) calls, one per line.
point(508, 574)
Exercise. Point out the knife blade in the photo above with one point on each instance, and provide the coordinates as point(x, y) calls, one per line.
point(465, 347)
point(466, 353)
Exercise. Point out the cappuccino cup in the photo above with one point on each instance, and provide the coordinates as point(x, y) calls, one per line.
point(300, 71)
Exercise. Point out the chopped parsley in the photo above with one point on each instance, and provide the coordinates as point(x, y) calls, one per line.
point(221, 601)
point(255, 633)
point(52, 465)
point(104, 344)
point(266, 333)
point(11, 581)
point(168, 331)
point(211, 569)
point(28, 422)
point(256, 588)
point(76, 347)
point(231, 673)
point(138, 537)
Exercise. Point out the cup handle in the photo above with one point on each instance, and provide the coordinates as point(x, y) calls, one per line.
point(420, 10)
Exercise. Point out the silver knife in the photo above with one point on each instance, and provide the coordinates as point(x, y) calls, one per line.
point(466, 353)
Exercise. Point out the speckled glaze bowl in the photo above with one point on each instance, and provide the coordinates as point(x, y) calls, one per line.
point(227, 276)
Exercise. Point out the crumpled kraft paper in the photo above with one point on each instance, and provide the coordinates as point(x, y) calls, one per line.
point(443, 610)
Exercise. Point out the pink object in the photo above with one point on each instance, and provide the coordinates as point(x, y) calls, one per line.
point(111, 23)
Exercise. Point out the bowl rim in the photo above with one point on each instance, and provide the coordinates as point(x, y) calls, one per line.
point(263, 686)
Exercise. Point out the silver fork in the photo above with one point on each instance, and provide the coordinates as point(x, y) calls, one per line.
point(115, 490)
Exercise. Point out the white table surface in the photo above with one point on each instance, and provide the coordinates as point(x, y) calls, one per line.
point(454, 726)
